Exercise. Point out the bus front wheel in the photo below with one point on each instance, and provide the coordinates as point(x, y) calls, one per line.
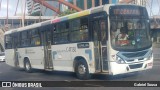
point(81, 70)
point(27, 66)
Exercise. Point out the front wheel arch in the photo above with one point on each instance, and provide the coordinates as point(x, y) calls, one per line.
point(79, 58)
point(81, 69)
point(27, 65)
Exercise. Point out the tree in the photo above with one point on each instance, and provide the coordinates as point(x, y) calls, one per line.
point(67, 12)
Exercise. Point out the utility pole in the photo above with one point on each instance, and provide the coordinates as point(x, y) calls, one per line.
point(22, 13)
point(7, 12)
point(0, 4)
point(16, 8)
point(151, 7)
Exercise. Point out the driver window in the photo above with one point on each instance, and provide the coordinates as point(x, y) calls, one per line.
point(140, 25)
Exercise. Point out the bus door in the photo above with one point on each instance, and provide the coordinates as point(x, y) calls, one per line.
point(100, 44)
point(15, 44)
point(46, 42)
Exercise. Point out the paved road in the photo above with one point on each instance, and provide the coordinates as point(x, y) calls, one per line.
point(8, 73)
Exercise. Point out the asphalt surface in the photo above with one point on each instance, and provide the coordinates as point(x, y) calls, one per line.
point(8, 73)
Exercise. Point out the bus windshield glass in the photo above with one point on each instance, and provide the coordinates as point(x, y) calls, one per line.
point(129, 29)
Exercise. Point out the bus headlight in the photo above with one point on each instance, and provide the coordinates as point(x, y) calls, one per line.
point(119, 60)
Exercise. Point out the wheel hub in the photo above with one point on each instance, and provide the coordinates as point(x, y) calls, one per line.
point(27, 66)
point(81, 69)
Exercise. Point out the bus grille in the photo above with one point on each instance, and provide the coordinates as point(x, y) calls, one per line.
point(137, 54)
point(135, 66)
point(132, 60)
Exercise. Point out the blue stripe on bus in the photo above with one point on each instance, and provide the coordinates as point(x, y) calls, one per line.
point(89, 52)
point(54, 53)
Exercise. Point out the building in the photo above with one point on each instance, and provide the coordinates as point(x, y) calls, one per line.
point(36, 9)
point(81, 3)
point(137, 2)
point(33, 8)
point(155, 28)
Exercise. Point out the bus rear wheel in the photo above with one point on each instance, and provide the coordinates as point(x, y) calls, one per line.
point(81, 70)
point(27, 66)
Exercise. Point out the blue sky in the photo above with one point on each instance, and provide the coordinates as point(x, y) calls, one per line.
point(12, 7)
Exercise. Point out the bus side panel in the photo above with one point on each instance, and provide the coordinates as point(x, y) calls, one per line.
point(86, 52)
point(61, 56)
point(9, 57)
point(35, 56)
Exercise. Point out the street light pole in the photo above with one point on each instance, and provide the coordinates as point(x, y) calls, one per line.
point(22, 13)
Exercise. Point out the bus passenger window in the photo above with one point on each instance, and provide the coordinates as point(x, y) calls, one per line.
point(84, 32)
point(35, 37)
point(61, 33)
point(103, 32)
point(113, 29)
point(8, 44)
point(37, 42)
point(75, 34)
point(24, 39)
point(79, 30)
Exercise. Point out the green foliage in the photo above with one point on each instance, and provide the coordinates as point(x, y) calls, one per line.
point(67, 12)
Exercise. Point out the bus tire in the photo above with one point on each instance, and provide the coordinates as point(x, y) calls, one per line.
point(81, 70)
point(27, 66)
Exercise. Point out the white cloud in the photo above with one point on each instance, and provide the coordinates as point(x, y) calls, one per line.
point(11, 7)
point(155, 7)
point(3, 6)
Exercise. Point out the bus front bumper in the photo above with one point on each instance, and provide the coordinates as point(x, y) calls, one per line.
point(132, 67)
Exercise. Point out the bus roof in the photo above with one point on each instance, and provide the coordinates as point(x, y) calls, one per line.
point(67, 17)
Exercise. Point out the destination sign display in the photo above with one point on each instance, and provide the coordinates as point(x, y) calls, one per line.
point(127, 10)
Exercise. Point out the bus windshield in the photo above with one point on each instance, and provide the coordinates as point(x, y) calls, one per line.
point(129, 33)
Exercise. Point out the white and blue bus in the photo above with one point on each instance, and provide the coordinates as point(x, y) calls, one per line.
point(109, 39)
